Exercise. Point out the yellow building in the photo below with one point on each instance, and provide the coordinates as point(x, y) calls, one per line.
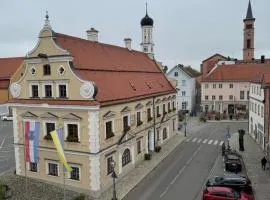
point(114, 104)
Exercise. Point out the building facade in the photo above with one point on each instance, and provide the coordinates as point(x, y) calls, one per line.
point(113, 104)
point(256, 113)
point(186, 87)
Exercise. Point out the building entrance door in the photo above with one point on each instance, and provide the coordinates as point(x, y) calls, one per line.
point(231, 109)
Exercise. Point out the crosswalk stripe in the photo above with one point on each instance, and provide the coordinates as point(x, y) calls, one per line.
point(210, 141)
point(220, 143)
point(215, 143)
point(205, 141)
point(194, 139)
point(188, 139)
point(199, 140)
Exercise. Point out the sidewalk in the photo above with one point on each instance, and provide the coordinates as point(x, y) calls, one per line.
point(127, 183)
point(252, 158)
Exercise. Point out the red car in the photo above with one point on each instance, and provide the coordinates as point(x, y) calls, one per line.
point(224, 193)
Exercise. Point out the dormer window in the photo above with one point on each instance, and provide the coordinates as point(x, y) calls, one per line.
point(34, 91)
point(46, 70)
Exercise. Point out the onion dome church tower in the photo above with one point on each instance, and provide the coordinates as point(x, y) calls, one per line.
point(147, 34)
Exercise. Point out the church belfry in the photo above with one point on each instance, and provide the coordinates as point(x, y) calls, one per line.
point(248, 48)
point(147, 43)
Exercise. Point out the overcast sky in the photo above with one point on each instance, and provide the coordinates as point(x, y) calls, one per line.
point(185, 31)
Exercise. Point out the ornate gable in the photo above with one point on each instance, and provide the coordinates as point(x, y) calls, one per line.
point(72, 117)
point(29, 115)
point(48, 115)
point(109, 114)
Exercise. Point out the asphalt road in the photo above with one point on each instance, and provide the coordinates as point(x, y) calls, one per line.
point(183, 173)
point(7, 160)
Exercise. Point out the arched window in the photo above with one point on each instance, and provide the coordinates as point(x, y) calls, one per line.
point(126, 157)
point(164, 133)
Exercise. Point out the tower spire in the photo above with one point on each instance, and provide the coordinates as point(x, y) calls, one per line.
point(249, 11)
point(47, 21)
point(146, 8)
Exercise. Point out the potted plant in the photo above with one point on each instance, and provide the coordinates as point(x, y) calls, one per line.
point(157, 148)
point(48, 137)
point(147, 156)
point(217, 117)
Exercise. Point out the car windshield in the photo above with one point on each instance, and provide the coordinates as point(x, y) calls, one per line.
point(236, 194)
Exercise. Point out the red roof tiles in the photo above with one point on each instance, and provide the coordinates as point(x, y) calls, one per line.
point(98, 56)
point(8, 66)
point(238, 72)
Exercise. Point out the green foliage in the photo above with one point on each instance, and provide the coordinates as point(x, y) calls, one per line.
point(202, 118)
point(217, 117)
point(147, 156)
point(157, 148)
point(3, 191)
point(80, 197)
point(181, 117)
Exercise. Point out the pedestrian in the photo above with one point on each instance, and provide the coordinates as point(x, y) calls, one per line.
point(263, 162)
point(223, 148)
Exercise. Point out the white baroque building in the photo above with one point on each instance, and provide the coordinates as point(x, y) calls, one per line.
point(186, 86)
point(256, 113)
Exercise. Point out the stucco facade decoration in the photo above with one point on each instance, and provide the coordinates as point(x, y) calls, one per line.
point(185, 78)
point(110, 108)
point(256, 113)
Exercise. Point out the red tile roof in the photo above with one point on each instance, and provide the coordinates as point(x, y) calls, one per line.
point(266, 78)
point(8, 66)
point(120, 74)
point(4, 83)
point(98, 56)
point(124, 85)
point(238, 72)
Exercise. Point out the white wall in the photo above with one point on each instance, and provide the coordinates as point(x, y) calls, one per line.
point(256, 113)
point(188, 88)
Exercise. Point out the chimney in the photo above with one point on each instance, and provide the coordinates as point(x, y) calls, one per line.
point(262, 59)
point(92, 35)
point(128, 43)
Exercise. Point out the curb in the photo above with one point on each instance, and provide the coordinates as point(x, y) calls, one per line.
point(226, 121)
point(152, 169)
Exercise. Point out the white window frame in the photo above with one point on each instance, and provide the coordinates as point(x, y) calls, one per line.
point(43, 89)
point(139, 111)
point(28, 168)
point(47, 167)
point(31, 91)
point(105, 121)
point(183, 93)
point(128, 115)
point(66, 129)
point(57, 88)
point(45, 127)
point(206, 86)
point(80, 172)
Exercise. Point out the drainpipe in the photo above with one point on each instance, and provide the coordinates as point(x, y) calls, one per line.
point(154, 118)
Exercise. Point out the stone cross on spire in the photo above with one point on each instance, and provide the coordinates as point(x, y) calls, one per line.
point(47, 21)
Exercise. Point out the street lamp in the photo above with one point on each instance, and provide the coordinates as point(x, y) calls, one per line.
point(228, 136)
point(114, 176)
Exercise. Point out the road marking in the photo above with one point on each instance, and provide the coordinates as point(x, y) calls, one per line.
point(220, 143)
point(210, 142)
point(215, 143)
point(205, 141)
point(188, 139)
point(194, 139)
point(180, 172)
point(2, 143)
point(199, 140)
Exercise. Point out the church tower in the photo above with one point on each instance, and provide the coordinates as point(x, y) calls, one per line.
point(147, 34)
point(248, 49)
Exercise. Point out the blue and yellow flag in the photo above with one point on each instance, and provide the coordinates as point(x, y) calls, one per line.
point(57, 136)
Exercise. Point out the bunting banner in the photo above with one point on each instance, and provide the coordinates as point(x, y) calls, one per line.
point(31, 141)
point(58, 140)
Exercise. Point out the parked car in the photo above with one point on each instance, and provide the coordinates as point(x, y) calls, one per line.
point(224, 193)
point(233, 163)
point(6, 118)
point(236, 182)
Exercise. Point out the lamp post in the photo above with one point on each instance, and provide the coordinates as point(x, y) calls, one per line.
point(228, 136)
point(114, 176)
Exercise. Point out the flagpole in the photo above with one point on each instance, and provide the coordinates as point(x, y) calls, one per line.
point(26, 182)
point(64, 174)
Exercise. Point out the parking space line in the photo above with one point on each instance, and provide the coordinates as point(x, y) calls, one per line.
point(194, 139)
point(199, 140)
point(221, 143)
point(204, 141)
point(215, 143)
point(210, 142)
point(1, 145)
